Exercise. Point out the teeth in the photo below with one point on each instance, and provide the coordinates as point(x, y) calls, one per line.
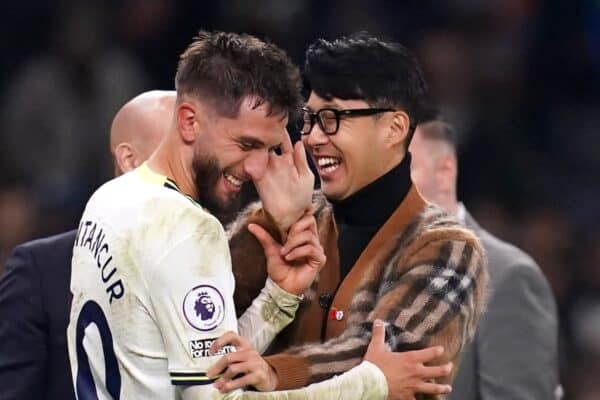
point(327, 161)
point(328, 164)
point(233, 180)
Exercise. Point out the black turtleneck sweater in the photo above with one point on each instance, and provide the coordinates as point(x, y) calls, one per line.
point(361, 215)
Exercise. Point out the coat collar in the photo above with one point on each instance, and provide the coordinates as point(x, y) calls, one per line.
point(378, 248)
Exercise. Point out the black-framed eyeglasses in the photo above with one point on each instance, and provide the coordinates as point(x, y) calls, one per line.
point(329, 118)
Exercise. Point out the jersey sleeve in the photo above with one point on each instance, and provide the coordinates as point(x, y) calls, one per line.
point(363, 382)
point(190, 287)
point(271, 311)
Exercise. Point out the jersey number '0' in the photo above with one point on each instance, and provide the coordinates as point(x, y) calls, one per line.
point(91, 313)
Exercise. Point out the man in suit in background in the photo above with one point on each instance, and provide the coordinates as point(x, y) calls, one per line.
point(514, 354)
point(35, 297)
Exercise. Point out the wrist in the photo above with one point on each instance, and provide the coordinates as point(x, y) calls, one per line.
point(291, 289)
point(281, 225)
point(284, 221)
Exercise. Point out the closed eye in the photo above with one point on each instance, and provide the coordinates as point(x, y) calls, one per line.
point(247, 145)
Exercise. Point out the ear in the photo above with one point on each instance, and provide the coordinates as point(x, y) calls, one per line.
point(398, 128)
point(125, 159)
point(187, 125)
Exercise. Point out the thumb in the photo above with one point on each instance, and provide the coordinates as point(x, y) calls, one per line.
point(378, 333)
point(265, 239)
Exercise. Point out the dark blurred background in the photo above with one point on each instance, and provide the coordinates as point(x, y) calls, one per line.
point(520, 79)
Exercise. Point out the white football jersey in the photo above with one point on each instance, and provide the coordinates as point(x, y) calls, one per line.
point(152, 288)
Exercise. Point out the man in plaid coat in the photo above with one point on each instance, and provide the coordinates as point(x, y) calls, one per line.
point(390, 254)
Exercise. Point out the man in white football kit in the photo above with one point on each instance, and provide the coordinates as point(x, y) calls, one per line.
point(153, 288)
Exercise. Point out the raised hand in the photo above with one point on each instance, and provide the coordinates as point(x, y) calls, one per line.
point(244, 367)
point(286, 186)
point(406, 372)
point(293, 266)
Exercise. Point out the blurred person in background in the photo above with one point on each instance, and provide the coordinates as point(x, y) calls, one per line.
point(515, 351)
point(35, 298)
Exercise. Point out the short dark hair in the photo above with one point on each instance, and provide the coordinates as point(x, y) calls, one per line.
point(363, 67)
point(225, 68)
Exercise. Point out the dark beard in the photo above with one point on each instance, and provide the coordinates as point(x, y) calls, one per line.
point(206, 175)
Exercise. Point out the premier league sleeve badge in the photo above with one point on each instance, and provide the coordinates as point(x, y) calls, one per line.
point(204, 308)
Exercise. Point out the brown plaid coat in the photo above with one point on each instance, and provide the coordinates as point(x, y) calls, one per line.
point(423, 272)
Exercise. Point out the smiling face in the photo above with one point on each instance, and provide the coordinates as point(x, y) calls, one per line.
point(361, 151)
point(231, 151)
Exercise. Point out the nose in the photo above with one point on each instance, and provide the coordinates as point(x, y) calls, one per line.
point(256, 163)
point(316, 137)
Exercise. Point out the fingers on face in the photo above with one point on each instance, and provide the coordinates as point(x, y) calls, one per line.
point(300, 159)
point(293, 156)
point(286, 143)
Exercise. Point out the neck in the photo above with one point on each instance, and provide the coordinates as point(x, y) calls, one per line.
point(447, 201)
point(173, 161)
point(452, 206)
point(373, 204)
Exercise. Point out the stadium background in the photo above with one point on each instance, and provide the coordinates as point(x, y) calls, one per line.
point(518, 78)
